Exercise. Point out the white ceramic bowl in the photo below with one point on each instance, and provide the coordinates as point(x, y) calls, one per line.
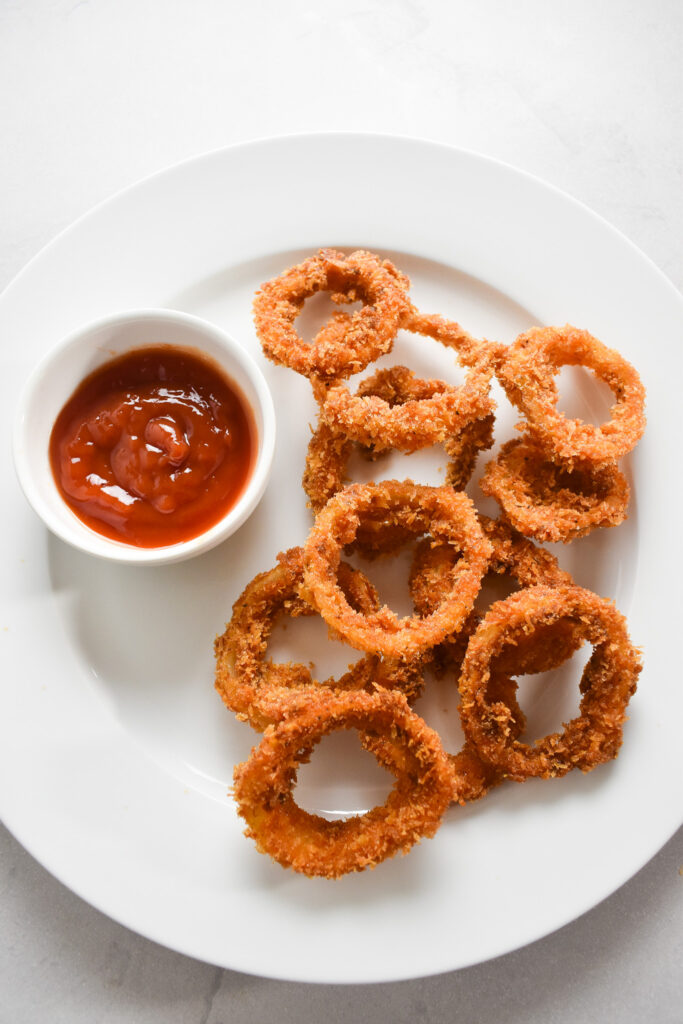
point(62, 370)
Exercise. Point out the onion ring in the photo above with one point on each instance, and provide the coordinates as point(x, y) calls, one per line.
point(261, 692)
point(528, 565)
point(472, 777)
point(330, 449)
point(552, 502)
point(447, 514)
point(515, 556)
point(527, 375)
point(395, 409)
point(347, 343)
point(608, 681)
point(313, 845)
point(325, 475)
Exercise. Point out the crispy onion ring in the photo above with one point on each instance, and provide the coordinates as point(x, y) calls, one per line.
point(347, 343)
point(472, 777)
point(528, 565)
point(557, 482)
point(313, 845)
point(395, 409)
point(330, 449)
point(514, 556)
point(260, 691)
point(552, 502)
point(527, 374)
point(325, 475)
point(608, 682)
point(446, 514)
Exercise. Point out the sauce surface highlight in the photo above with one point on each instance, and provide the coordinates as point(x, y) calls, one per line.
point(154, 447)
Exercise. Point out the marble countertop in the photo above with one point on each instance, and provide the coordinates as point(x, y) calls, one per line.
point(97, 94)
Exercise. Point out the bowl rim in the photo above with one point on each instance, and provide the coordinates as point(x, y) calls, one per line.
point(84, 537)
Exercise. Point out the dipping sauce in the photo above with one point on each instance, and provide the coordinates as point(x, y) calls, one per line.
point(154, 447)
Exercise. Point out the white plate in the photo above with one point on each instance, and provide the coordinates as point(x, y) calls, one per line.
point(115, 753)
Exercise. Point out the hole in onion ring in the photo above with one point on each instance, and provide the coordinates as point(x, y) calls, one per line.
point(390, 577)
point(549, 699)
point(583, 396)
point(438, 706)
point(342, 780)
point(428, 359)
point(495, 587)
point(306, 639)
point(317, 311)
point(427, 466)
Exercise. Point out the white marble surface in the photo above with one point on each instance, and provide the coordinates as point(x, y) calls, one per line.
point(95, 94)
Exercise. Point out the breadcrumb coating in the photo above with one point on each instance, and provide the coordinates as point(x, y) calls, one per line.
point(552, 502)
point(350, 342)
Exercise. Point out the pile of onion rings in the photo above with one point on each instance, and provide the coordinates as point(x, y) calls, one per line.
point(561, 480)
point(557, 482)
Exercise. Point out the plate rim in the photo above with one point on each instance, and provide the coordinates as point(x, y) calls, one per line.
point(301, 137)
point(307, 137)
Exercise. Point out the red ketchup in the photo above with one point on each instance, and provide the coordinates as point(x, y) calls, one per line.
point(154, 447)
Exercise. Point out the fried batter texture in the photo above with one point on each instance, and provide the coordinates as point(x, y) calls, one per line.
point(447, 515)
point(528, 372)
point(557, 482)
point(607, 684)
point(312, 844)
point(260, 691)
point(396, 389)
point(527, 565)
point(395, 409)
point(552, 502)
point(560, 480)
point(349, 342)
point(512, 556)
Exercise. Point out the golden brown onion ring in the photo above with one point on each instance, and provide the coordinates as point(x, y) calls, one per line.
point(330, 449)
point(552, 502)
point(528, 372)
point(396, 409)
point(313, 845)
point(608, 682)
point(348, 342)
point(261, 691)
point(447, 515)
